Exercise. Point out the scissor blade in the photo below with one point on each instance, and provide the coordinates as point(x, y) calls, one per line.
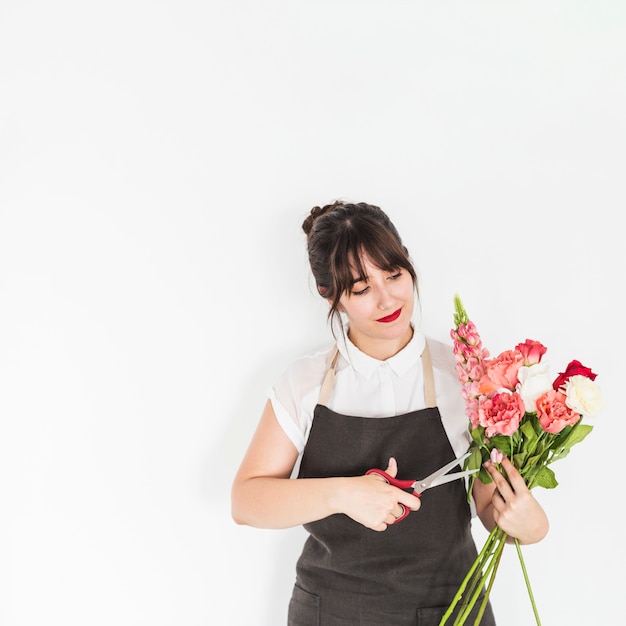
point(429, 481)
point(442, 480)
point(444, 469)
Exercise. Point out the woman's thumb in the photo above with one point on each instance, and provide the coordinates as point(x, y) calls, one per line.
point(392, 468)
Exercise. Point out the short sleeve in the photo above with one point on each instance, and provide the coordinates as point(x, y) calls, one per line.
point(295, 394)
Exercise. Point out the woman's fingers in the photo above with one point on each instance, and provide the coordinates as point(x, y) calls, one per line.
point(503, 487)
point(398, 500)
point(406, 500)
point(515, 478)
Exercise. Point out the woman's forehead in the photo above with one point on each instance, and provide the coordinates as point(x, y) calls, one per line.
point(366, 264)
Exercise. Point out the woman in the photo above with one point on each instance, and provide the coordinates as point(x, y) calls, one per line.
point(381, 396)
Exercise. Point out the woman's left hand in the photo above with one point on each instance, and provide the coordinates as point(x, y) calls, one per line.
point(515, 509)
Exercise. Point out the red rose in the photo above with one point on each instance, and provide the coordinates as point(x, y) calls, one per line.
point(574, 368)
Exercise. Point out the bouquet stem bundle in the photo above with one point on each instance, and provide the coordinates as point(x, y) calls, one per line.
point(481, 577)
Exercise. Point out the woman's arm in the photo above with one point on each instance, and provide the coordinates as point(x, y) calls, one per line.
point(511, 505)
point(263, 495)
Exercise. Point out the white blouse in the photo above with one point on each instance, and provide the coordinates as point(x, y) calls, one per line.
point(367, 387)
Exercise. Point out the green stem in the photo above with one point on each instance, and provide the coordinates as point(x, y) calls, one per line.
point(486, 550)
point(492, 579)
point(484, 568)
point(530, 592)
point(490, 571)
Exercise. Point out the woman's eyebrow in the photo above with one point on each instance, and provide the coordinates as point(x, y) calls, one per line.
point(358, 279)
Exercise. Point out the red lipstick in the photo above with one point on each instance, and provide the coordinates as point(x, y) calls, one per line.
point(390, 318)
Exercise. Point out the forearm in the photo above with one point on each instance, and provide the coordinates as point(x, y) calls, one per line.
point(268, 502)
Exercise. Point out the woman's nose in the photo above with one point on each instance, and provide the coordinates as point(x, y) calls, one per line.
point(384, 300)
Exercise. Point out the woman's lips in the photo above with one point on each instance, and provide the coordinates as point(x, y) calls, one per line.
point(390, 318)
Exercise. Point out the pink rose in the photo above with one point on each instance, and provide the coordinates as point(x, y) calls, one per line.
point(501, 413)
point(553, 414)
point(501, 372)
point(574, 368)
point(532, 351)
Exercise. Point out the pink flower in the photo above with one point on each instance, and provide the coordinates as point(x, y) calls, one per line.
point(471, 410)
point(501, 413)
point(574, 368)
point(465, 352)
point(501, 372)
point(553, 414)
point(469, 334)
point(532, 351)
point(496, 456)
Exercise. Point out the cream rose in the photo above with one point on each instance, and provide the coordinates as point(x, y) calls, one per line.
point(583, 395)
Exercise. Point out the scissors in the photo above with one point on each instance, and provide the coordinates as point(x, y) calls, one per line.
point(418, 487)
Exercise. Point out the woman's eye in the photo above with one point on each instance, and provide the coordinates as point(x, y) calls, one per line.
point(360, 292)
point(396, 276)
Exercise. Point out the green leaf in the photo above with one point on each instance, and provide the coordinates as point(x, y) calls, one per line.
point(519, 460)
point(545, 478)
point(558, 440)
point(475, 460)
point(534, 460)
point(535, 422)
point(484, 475)
point(528, 430)
point(478, 434)
point(503, 443)
point(577, 434)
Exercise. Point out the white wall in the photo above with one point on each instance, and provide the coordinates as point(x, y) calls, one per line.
point(156, 162)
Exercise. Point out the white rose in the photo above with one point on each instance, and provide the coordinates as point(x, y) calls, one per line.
point(533, 381)
point(583, 395)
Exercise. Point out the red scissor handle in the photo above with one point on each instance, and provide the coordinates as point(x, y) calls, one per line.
point(396, 482)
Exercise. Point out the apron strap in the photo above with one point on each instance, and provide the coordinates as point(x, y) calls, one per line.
point(329, 378)
point(430, 396)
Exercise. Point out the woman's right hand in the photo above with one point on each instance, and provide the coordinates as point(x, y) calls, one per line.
point(370, 500)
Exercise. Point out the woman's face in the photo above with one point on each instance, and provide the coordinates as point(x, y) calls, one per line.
point(379, 308)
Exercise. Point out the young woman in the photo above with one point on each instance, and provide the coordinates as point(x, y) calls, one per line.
point(381, 395)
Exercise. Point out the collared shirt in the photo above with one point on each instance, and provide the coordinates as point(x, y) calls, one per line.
point(368, 387)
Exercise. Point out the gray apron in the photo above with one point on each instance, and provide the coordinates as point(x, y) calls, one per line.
point(350, 575)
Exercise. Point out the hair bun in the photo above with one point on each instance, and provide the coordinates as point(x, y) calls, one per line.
point(316, 212)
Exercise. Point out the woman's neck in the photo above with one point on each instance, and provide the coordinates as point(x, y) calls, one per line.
point(381, 349)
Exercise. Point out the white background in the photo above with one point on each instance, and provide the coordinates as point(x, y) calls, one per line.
point(156, 162)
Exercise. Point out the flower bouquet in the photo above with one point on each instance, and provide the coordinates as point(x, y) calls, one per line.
point(515, 408)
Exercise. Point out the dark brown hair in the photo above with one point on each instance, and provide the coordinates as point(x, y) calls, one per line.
point(339, 234)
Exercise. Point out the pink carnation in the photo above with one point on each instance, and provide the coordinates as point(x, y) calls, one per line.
point(501, 414)
point(553, 414)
